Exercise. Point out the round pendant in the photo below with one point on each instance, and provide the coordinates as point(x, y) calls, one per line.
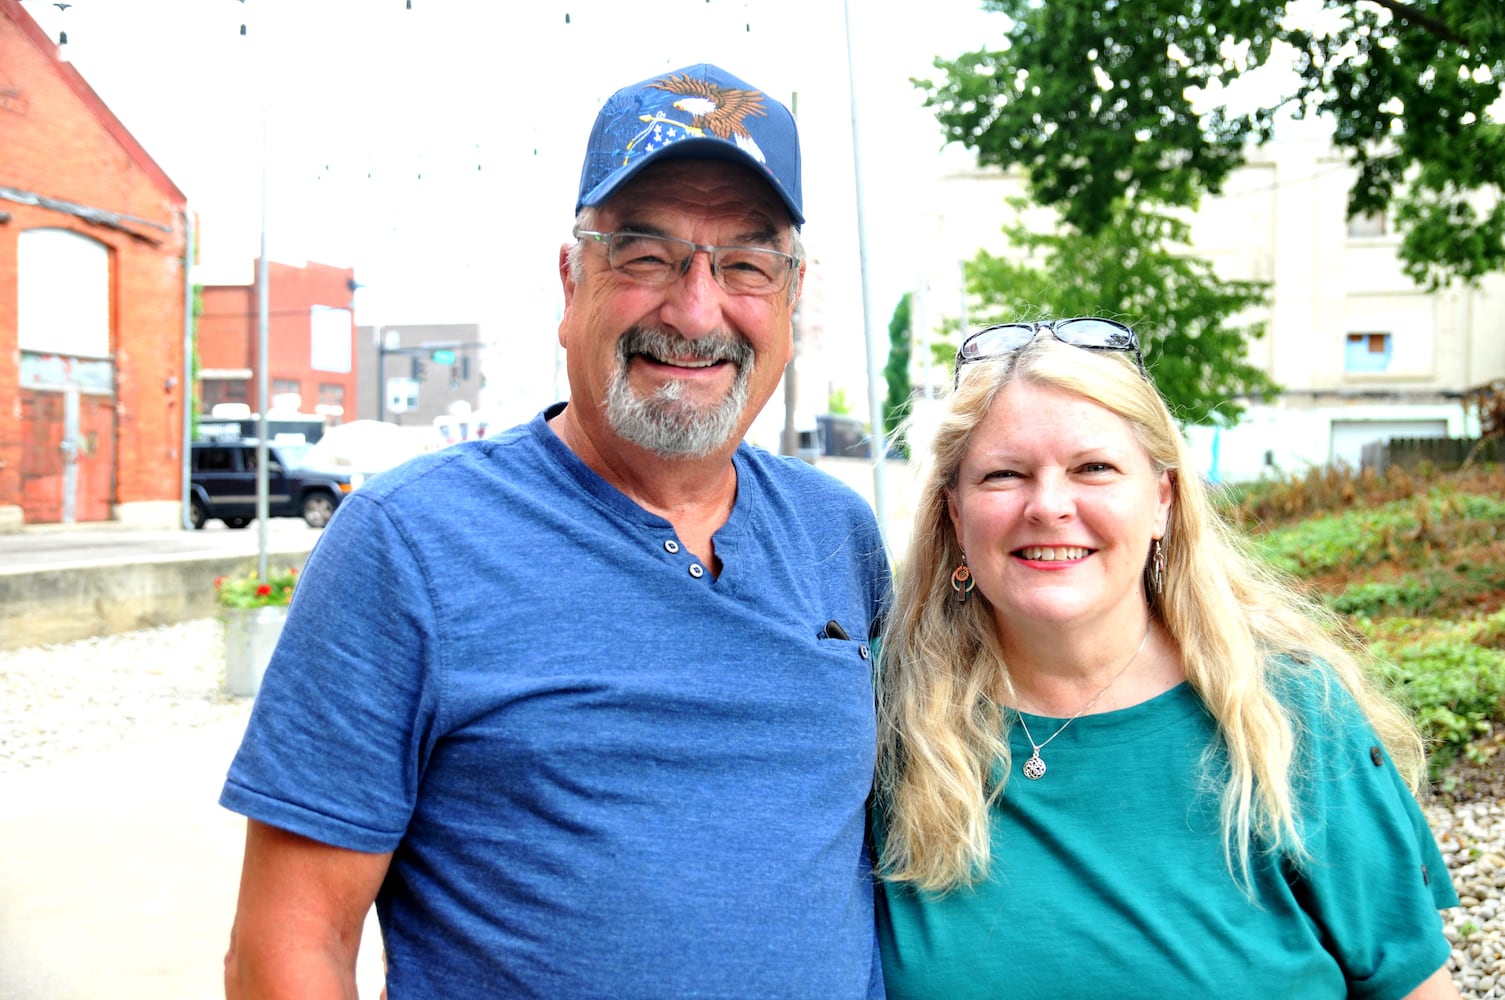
point(1034, 768)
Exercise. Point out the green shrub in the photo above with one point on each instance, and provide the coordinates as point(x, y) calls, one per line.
point(1455, 687)
point(1373, 600)
point(1415, 561)
point(1491, 634)
point(1405, 532)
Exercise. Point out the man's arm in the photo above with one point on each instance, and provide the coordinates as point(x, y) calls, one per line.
point(1438, 986)
point(299, 919)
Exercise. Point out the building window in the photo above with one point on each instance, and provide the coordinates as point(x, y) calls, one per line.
point(402, 394)
point(331, 399)
point(217, 391)
point(1367, 226)
point(287, 394)
point(1367, 352)
point(62, 294)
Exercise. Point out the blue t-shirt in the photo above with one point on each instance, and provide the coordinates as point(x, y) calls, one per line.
point(603, 771)
point(1108, 876)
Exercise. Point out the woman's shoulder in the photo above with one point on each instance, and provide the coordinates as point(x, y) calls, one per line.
point(1318, 702)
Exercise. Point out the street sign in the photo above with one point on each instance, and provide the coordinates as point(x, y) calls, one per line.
point(443, 357)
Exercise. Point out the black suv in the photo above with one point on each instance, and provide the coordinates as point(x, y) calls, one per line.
point(224, 485)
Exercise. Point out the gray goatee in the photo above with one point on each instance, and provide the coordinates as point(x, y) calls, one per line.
point(665, 421)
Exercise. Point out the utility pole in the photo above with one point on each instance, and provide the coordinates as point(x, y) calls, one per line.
point(789, 441)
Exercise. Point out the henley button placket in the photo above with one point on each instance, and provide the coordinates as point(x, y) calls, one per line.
point(671, 547)
point(697, 570)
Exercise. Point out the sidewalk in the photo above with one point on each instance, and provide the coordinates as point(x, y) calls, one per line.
point(119, 873)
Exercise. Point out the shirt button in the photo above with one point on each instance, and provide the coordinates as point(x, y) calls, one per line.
point(671, 546)
point(696, 570)
point(862, 651)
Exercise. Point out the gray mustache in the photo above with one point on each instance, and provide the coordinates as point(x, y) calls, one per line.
point(661, 344)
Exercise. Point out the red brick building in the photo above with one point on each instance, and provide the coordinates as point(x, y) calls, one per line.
point(310, 342)
point(92, 301)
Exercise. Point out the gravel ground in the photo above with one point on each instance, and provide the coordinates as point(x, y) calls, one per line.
point(94, 695)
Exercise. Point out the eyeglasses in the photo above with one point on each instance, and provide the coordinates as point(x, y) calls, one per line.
point(660, 260)
point(1085, 332)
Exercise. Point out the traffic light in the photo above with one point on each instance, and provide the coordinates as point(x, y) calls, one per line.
point(417, 369)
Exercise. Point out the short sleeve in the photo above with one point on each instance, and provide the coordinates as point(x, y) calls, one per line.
point(337, 737)
point(1373, 879)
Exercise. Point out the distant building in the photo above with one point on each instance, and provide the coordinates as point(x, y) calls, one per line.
point(415, 374)
point(310, 343)
point(1362, 352)
point(92, 301)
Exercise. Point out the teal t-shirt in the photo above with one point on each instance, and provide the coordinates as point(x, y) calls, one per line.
point(1109, 880)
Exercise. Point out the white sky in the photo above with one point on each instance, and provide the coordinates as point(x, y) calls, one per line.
point(363, 98)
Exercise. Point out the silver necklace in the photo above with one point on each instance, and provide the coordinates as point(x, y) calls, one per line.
point(1034, 768)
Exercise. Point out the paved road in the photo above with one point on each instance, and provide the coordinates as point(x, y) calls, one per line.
point(120, 872)
point(56, 545)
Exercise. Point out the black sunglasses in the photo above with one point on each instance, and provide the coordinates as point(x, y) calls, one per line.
point(1085, 332)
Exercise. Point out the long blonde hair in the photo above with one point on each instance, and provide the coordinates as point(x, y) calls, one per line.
point(1239, 626)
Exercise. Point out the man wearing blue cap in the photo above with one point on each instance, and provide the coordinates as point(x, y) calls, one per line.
point(614, 737)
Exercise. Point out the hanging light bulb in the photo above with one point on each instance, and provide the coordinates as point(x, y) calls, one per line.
point(62, 38)
point(566, 19)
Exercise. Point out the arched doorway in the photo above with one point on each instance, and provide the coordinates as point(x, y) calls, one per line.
point(67, 377)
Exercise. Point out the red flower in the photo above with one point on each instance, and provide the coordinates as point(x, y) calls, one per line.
point(264, 590)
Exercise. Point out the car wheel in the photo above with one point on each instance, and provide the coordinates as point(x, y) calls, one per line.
point(317, 509)
point(237, 522)
point(196, 514)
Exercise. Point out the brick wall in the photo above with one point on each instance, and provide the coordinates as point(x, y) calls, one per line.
point(59, 141)
point(228, 330)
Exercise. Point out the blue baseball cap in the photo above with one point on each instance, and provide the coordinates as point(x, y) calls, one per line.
point(696, 113)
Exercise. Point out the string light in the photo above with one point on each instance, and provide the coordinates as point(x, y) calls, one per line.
point(62, 36)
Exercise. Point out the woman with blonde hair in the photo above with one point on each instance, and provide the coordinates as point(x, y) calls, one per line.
point(1118, 756)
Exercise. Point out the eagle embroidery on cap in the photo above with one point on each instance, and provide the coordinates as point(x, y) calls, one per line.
point(717, 110)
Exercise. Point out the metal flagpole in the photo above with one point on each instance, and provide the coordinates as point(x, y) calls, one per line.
point(874, 367)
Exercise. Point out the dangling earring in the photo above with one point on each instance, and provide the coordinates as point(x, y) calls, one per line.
point(962, 582)
point(1157, 568)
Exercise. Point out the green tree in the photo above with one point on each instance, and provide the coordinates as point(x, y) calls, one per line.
point(896, 372)
point(1096, 99)
point(1134, 269)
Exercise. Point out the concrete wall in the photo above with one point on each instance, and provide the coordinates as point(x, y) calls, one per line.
point(76, 602)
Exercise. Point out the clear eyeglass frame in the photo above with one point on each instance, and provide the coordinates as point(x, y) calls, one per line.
point(651, 259)
point(1089, 333)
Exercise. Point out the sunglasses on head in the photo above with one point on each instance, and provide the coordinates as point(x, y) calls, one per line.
point(1085, 332)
